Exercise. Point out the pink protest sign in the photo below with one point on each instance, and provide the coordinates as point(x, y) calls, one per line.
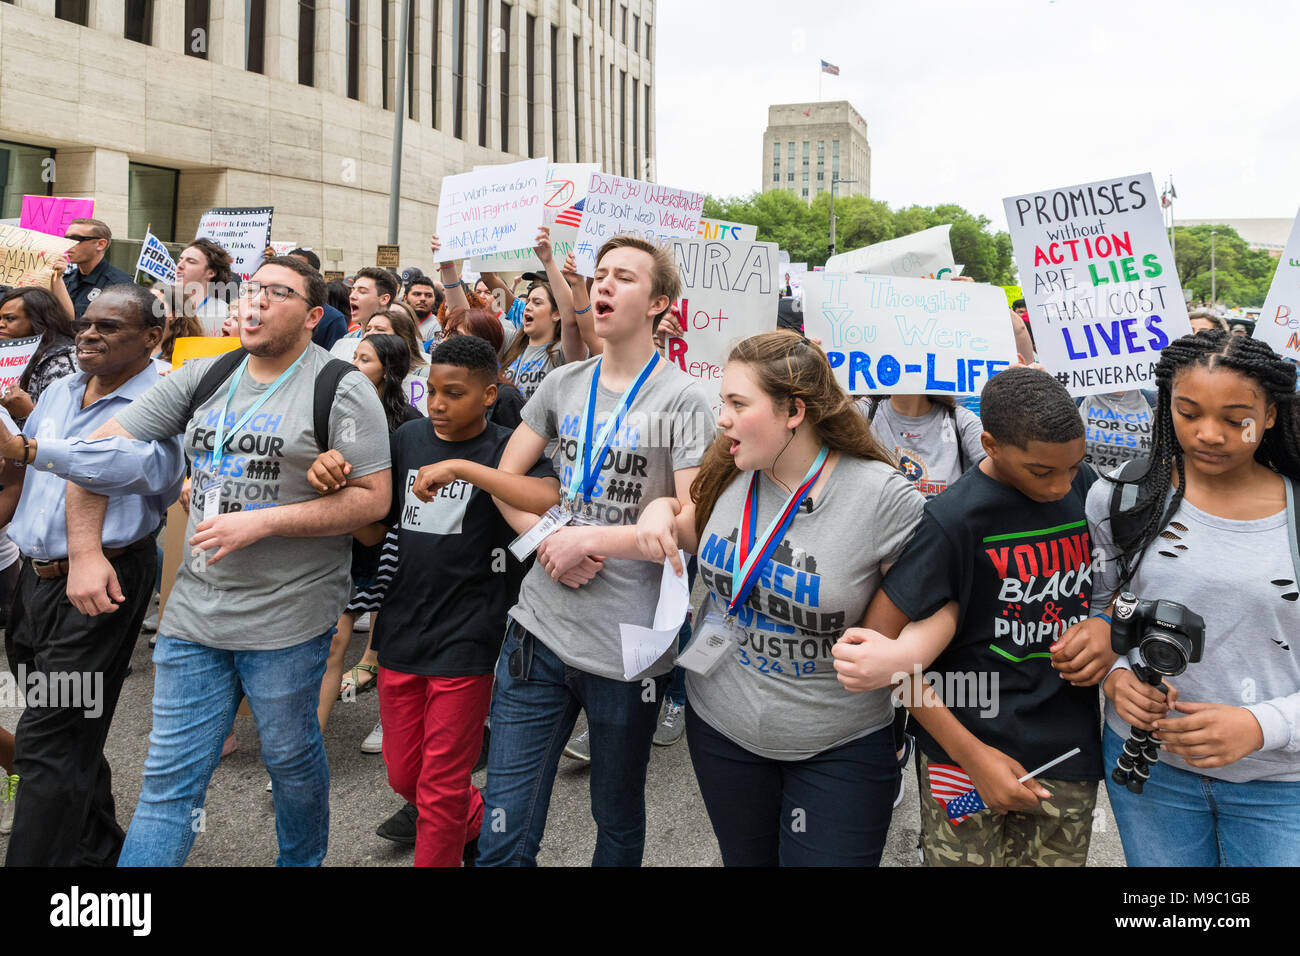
point(51, 214)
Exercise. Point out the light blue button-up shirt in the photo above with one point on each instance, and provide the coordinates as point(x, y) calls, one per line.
point(141, 479)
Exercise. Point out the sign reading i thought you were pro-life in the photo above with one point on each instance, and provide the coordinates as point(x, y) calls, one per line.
point(1099, 279)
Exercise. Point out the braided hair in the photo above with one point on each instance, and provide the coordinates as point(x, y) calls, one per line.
point(1279, 449)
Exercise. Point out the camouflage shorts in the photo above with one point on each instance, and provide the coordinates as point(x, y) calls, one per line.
point(1056, 834)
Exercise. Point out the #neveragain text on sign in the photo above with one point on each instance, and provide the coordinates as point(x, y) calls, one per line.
point(1099, 281)
point(728, 294)
point(616, 206)
point(492, 209)
point(563, 197)
point(1279, 322)
point(888, 336)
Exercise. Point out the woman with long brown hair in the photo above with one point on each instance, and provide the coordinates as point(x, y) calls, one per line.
point(795, 514)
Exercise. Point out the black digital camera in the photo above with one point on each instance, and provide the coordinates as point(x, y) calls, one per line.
point(1161, 637)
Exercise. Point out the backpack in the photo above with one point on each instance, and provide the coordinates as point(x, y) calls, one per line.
point(1124, 494)
point(327, 383)
point(873, 405)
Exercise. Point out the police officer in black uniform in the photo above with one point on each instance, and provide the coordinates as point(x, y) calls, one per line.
point(92, 273)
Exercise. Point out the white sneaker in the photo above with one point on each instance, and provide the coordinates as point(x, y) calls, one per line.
point(363, 623)
point(374, 743)
point(579, 748)
point(8, 801)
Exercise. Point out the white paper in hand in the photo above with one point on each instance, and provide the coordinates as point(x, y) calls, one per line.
point(642, 646)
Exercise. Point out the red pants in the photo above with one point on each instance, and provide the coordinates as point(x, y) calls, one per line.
point(433, 729)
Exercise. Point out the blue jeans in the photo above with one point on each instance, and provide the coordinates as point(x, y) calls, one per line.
point(532, 718)
point(196, 692)
point(1187, 819)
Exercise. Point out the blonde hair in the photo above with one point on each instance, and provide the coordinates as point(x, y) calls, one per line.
point(787, 366)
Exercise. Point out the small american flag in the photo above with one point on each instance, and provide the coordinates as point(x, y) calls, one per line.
point(953, 788)
point(830, 68)
point(571, 216)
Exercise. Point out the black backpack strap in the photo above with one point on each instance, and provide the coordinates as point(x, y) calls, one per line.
point(961, 448)
point(217, 372)
point(327, 383)
point(1293, 526)
point(873, 406)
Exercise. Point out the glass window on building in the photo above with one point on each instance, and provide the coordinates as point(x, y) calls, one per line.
point(530, 50)
point(197, 13)
point(458, 68)
point(24, 171)
point(636, 33)
point(139, 21)
point(805, 152)
point(789, 177)
point(435, 41)
point(504, 65)
point(306, 42)
point(255, 54)
point(789, 154)
point(805, 192)
point(821, 152)
point(74, 11)
point(484, 45)
point(151, 201)
point(353, 49)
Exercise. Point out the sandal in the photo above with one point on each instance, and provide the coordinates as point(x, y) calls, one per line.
point(354, 685)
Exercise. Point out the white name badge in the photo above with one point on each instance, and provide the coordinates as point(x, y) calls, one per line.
point(551, 522)
point(211, 496)
point(716, 636)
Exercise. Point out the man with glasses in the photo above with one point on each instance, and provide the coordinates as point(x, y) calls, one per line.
point(93, 273)
point(267, 574)
point(71, 666)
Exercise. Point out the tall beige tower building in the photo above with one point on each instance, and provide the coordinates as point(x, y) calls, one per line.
point(806, 144)
point(161, 109)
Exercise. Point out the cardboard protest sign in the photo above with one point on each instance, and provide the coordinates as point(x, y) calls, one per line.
point(908, 336)
point(616, 206)
point(388, 257)
point(563, 198)
point(922, 255)
point(244, 232)
point(24, 254)
point(201, 346)
point(728, 294)
point(1099, 280)
point(155, 260)
point(721, 229)
point(51, 214)
point(492, 209)
point(14, 356)
point(1279, 321)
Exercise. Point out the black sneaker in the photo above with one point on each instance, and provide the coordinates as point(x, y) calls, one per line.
point(400, 827)
point(909, 747)
point(470, 856)
point(483, 751)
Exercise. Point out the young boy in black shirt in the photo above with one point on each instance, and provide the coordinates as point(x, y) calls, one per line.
point(998, 577)
point(444, 614)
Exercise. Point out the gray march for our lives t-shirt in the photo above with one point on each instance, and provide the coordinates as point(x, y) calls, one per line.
point(533, 365)
point(1117, 428)
point(279, 591)
point(777, 694)
point(667, 428)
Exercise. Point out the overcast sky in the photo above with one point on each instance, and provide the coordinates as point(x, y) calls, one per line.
point(970, 102)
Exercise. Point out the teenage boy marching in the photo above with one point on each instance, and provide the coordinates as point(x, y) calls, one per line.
point(630, 429)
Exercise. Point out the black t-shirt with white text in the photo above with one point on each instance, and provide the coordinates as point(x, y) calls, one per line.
point(444, 614)
point(1021, 572)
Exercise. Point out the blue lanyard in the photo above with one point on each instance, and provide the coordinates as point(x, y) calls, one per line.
point(747, 563)
point(222, 439)
point(584, 476)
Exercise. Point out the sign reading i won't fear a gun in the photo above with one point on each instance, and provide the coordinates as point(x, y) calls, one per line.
point(1099, 279)
point(892, 336)
point(728, 293)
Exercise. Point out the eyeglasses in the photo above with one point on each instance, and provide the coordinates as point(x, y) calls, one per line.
point(83, 238)
point(520, 662)
point(102, 326)
point(276, 293)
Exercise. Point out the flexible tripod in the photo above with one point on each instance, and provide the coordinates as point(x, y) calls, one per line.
point(1133, 766)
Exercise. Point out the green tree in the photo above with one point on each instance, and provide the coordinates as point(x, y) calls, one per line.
point(1241, 275)
point(803, 229)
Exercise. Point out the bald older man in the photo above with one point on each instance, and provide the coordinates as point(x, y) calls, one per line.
point(71, 666)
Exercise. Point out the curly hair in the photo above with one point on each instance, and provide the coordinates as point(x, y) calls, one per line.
point(395, 358)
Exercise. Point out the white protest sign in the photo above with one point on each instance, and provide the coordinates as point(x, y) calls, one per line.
point(922, 255)
point(155, 260)
point(1099, 279)
point(616, 206)
point(491, 209)
point(283, 248)
point(562, 202)
point(1279, 321)
point(908, 336)
point(14, 356)
point(243, 232)
point(727, 295)
point(721, 229)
